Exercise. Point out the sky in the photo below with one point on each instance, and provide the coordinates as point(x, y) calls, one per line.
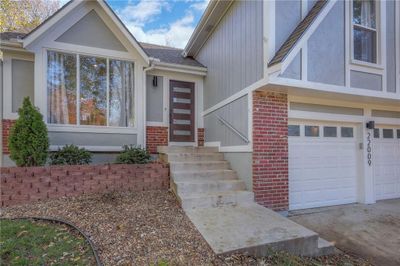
point(168, 22)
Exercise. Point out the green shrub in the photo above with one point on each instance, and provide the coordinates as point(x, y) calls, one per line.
point(28, 142)
point(133, 155)
point(71, 155)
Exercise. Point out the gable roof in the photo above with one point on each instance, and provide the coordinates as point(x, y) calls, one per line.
point(169, 55)
point(64, 10)
point(298, 32)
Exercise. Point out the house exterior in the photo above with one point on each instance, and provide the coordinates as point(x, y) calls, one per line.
point(285, 89)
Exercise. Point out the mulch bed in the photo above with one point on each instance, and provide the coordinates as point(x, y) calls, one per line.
point(149, 228)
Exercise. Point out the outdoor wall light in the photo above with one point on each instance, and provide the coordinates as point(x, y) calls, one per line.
point(155, 81)
point(371, 124)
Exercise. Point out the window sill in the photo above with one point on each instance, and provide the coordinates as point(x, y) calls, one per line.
point(367, 65)
point(91, 129)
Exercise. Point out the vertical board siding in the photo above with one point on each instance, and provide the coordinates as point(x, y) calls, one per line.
point(236, 114)
point(234, 52)
point(391, 45)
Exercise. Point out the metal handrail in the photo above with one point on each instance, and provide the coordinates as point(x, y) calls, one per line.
point(237, 132)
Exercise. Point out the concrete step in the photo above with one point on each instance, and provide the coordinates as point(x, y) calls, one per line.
point(251, 229)
point(191, 157)
point(203, 175)
point(185, 149)
point(216, 199)
point(189, 187)
point(325, 248)
point(196, 166)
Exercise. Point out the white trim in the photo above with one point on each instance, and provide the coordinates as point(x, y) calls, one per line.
point(155, 124)
point(304, 49)
point(240, 148)
point(180, 70)
point(397, 30)
point(258, 84)
point(91, 129)
point(176, 67)
point(269, 13)
point(322, 87)
point(91, 148)
point(307, 34)
point(293, 114)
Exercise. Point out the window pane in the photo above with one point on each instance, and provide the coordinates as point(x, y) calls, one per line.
point(364, 13)
point(121, 94)
point(311, 131)
point(364, 45)
point(387, 133)
point(376, 133)
point(398, 133)
point(93, 91)
point(330, 132)
point(61, 88)
point(293, 130)
point(347, 132)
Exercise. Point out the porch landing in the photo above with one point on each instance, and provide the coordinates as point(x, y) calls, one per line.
point(217, 203)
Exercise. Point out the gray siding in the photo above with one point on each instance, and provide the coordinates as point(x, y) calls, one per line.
point(236, 114)
point(154, 99)
point(288, 16)
point(91, 139)
point(234, 52)
point(326, 109)
point(93, 32)
point(22, 82)
point(293, 71)
point(326, 49)
point(364, 80)
point(383, 113)
point(242, 164)
point(391, 45)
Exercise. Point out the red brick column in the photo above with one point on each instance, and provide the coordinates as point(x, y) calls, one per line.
point(270, 150)
point(200, 137)
point(156, 136)
point(6, 127)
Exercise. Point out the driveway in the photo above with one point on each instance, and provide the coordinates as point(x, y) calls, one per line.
point(369, 231)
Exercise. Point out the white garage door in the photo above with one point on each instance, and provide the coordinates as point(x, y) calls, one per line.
point(322, 165)
point(386, 163)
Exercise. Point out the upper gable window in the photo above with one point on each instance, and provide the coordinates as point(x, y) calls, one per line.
point(364, 27)
point(89, 90)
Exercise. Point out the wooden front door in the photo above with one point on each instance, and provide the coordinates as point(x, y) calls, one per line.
point(181, 111)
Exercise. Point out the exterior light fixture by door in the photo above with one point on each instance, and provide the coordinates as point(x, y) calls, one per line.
point(371, 125)
point(155, 81)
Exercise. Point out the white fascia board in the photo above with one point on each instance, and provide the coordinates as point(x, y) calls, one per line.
point(307, 34)
point(201, 71)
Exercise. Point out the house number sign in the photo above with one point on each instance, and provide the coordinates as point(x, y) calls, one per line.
point(369, 149)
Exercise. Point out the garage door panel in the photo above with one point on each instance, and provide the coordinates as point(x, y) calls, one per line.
point(322, 171)
point(386, 163)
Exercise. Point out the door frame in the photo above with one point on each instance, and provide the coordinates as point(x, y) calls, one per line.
point(193, 142)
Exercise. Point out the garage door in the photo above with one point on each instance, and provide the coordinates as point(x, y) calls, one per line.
point(386, 163)
point(322, 165)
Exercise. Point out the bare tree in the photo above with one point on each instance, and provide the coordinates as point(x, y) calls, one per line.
point(25, 15)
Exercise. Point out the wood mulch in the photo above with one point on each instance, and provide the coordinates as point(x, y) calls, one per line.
point(149, 228)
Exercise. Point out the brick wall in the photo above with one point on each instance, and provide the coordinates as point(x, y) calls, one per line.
point(6, 126)
point(156, 136)
point(28, 184)
point(200, 137)
point(270, 150)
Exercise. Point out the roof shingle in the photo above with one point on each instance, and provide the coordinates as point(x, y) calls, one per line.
point(298, 32)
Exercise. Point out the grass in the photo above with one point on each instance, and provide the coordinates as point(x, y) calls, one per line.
point(26, 242)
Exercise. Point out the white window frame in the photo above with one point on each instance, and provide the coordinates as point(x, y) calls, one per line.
point(379, 43)
point(89, 128)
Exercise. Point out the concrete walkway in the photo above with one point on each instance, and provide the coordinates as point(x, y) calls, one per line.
point(369, 231)
point(215, 200)
point(256, 230)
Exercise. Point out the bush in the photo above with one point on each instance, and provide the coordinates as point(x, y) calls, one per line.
point(133, 155)
point(28, 142)
point(70, 155)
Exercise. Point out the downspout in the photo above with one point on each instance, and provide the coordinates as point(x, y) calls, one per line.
point(145, 70)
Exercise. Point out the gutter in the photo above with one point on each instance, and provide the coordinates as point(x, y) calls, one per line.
point(145, 70)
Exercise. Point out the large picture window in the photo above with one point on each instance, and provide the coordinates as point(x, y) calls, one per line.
point(88, 90)
point(364, 26)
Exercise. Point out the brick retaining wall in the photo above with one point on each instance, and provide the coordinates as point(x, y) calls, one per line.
point(21, 185)
point(270, 150)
